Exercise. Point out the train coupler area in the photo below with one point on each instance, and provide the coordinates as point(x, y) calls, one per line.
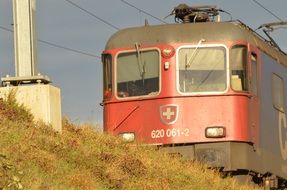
point(230, 156)
point(215, 155)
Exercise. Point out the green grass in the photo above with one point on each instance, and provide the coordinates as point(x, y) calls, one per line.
point(33, 156)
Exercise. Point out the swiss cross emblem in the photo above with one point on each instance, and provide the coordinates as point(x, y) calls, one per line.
point(168, 114)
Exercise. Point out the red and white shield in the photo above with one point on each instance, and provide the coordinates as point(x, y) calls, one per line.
point(168, 113)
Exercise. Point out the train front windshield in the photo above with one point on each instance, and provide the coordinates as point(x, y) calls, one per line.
point(202, 69)
point(137, 73)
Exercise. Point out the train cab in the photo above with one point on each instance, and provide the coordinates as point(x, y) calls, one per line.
point(198, 89)
point(177, 89)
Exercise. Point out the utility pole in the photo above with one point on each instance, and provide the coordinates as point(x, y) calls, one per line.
point(25, 40)
point(32, 89)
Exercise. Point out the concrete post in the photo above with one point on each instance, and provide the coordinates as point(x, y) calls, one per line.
point(32, 89)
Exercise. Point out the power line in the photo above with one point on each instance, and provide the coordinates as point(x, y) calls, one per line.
point(68, 49)
point(93, 15)
point(129, 4)
point(255, 1)
point(6, 29)
point(57, 46)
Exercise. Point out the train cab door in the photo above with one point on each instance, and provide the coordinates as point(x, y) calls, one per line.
point(254, 99)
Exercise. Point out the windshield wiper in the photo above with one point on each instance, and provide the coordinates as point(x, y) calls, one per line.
point(142, 67)
point(188, 63)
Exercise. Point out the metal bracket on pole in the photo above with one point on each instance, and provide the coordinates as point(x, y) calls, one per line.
point(16, 81)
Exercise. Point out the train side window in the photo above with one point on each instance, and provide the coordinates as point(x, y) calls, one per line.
point(254, 83)
point(137, 73)
point(239, 68)
point(107, 75)
point(278, 92)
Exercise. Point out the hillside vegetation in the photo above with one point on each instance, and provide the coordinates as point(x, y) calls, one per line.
point(32, 156)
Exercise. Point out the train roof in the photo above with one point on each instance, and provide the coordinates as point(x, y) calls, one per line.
point(192, 33)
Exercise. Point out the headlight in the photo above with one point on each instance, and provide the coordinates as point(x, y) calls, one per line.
point(215, 132)
point(127, 137)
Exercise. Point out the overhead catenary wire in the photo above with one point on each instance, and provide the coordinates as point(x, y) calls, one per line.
point(267, 28)
point(6, 29)
point(131, 5)
point(92, 14)
point(68, 49)
point(57, 45)
point(113, 26)
point(270, 12)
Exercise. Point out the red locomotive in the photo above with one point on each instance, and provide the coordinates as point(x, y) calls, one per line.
point(211, 91)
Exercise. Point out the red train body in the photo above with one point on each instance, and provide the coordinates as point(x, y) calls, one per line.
point(212, 91)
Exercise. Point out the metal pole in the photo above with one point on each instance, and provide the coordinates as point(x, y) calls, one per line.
point(25, 38)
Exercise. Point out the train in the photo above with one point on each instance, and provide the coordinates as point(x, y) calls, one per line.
point(204, 89)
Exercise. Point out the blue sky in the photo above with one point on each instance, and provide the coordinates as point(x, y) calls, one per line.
point(80, 76)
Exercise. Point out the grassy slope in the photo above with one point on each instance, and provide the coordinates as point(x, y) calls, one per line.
point(32, 156)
